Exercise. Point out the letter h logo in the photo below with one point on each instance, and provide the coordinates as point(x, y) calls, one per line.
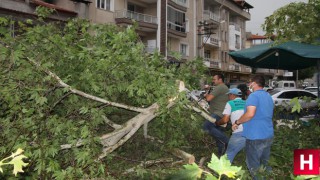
point(306, 162)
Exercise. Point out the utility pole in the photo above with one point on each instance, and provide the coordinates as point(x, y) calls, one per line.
point(205, 30)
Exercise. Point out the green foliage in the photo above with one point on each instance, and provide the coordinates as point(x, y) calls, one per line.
point(103, 60)
point(286, 140)
point(223, 166)
point(305, 73)
point(295, 21)
point(310, 177)
point(15, 160)
point(220, 166)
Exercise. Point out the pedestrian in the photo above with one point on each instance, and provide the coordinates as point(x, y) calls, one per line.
point(217, 98)
point(233, 110)
point(257, 126)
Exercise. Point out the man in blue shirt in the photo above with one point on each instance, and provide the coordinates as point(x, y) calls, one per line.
point(257, 126)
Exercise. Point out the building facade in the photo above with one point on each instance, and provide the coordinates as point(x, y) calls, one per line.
point(191, 28)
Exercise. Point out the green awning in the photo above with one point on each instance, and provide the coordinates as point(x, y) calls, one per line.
point(288, 56)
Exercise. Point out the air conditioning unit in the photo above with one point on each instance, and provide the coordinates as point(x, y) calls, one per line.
point(231, 67)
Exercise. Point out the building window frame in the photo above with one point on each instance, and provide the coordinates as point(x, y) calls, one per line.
point(107, 5)
point(184, 49)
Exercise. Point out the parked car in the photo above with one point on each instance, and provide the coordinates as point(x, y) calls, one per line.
point(283, 97)
point(313, 90)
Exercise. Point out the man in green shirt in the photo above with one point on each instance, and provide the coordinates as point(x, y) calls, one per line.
point(218, 99)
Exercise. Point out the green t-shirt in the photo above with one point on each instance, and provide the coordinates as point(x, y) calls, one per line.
point(220, 99)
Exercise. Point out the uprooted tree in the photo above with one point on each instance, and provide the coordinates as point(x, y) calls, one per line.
point(72, 93)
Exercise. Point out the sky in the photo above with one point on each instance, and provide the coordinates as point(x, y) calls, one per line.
point(263, 9)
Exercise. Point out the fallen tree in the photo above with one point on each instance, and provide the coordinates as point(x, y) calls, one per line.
point(74, 93)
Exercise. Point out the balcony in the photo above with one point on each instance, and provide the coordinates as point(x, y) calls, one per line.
point(214, 41)
point(265, 71)
point(248, 69)
point(234, 67)
point(136, 16)
point(211, 63)
point(237, 67)
point(176, 30)
point(26, 10)
point(181, 2)
point(144, 20)
point(210, 16)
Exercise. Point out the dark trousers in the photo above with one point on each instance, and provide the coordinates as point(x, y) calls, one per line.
point(218, 133)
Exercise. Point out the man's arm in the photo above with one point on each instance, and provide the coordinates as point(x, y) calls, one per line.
point(251, 111)
point(223, 120)
point(209, 97)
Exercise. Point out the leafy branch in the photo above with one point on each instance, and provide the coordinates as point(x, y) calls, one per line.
point(16, 161)
point(220, 166)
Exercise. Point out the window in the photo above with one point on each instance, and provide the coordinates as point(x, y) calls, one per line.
point(222, 56)
point(131, 7)
point(226, 57)
point(176, 20)
point(207, 54)
point(105, 4)
point(288, 95)
point(183, 1)
point(307, 94)
point(184, 50)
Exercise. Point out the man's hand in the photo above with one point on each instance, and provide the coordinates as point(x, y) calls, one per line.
point(234, 127)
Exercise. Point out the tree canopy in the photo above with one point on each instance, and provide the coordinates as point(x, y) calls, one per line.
point(70, 91)
point(296, 21)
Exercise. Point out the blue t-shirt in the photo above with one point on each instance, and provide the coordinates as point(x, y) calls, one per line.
point(260, 126)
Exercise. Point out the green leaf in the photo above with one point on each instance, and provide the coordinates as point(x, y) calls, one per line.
point(41, 100)
point(83, 110)
point(223, 166)
point(211, 177)
point(18, 164)
point(190, 171)
point(194, 170)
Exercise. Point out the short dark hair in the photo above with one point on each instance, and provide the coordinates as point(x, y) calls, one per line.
point(220, 76)
point(259, 80)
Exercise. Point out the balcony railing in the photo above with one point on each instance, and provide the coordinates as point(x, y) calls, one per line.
point(210, 15)
point(176, 27)
point(262, 70)
point(136, 16)
point(231, 67)
point(237, 67)
point(211, 63)
point(234, 67)
point(211, 40)
point(181, 2)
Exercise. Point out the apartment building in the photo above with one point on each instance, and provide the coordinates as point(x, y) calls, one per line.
point(205, 28)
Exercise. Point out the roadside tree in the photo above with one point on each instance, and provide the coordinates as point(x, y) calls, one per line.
point(71, 93)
